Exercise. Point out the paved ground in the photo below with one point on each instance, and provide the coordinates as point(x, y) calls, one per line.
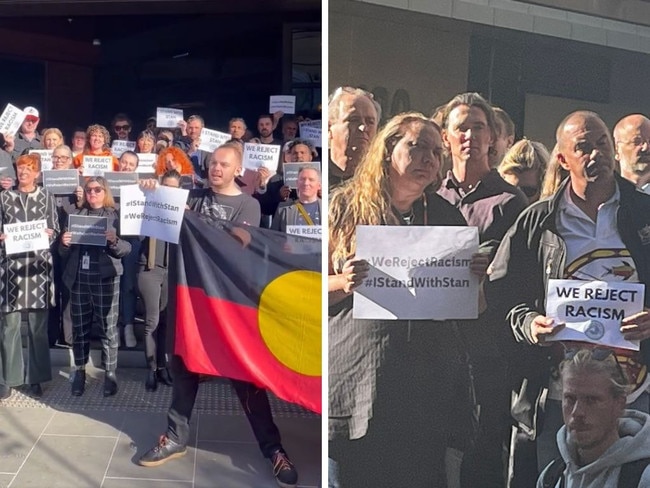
point(69, 442)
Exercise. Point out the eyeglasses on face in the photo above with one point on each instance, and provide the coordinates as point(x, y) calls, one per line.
point(60, 158)
point(119, 128)
point(94, 189)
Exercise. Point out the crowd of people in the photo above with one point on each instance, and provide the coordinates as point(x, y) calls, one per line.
point(482, 402)
point(70, 292)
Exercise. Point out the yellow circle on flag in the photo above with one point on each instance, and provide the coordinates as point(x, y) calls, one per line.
point(289, 318)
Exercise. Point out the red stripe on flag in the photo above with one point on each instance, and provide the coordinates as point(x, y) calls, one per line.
point(221, 338)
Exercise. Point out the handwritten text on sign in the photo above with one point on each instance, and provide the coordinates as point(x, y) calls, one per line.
point(258, 155)
point(46, 157)
point(593, 310)
point(155, 213)
point(26, 236)
point(11, 119)
point(212, 139)
point(168, 117)
point(282, 103)
point(312, 131)
point(417, 273)
point(97, 165)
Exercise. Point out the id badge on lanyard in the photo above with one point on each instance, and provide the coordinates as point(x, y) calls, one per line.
point(85, 261)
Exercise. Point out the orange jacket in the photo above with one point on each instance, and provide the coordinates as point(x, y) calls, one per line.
point(78, 159)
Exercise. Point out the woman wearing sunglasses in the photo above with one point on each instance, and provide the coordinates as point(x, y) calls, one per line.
point(92, 274)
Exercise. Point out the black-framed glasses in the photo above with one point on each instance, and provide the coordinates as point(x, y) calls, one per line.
point(122, 127)
point(597, 354)
point(60, 158)
point(94, 189)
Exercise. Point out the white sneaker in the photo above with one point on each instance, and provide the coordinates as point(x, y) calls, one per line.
point(129, 336)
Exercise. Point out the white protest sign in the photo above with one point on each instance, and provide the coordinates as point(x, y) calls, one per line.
point(212, 139)
point(147, 162)
point(310, 231)
point(11, 119)
point(168, 117)
point(282, 103)
point(312, 131)
point(417, 273)
point(46, 157)
point(26, 236)
point(155, 213)
point(97, 165)
point(258, 155)
point(118, 147)
point(593, 310)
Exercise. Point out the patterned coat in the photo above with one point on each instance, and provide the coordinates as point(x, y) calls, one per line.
point(27, 279)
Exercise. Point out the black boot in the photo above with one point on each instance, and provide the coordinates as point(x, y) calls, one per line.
point(35, 390)
point(5, 392)
point(164, 376)
point(110, 384)
point(79, 382)
point(151, 383)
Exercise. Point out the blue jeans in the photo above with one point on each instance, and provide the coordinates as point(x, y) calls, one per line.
point(332, 474)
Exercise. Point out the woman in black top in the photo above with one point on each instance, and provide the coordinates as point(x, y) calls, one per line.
point(92, 273)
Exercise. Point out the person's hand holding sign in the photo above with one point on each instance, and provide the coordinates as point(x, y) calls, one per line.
point(636, 327)
point(66, 239)
point(182, 125)
point(6, 183)
point(148, 184)
point(111, 237)
point(49, 232)
point(285, 191)
point(543, 326)
point(352, 274)
point(9, 142)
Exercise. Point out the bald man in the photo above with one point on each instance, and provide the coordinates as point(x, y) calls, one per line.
point(596, 222)
point(632, 141)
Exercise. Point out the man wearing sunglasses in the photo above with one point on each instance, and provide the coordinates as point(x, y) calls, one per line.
point(121, 127)
point(601, 443)
point(596, 226)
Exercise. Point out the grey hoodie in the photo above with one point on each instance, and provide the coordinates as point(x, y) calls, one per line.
point(633, 444)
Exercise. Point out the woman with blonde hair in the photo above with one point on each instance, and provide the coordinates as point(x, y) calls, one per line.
point(391, 382)
point(52, 138)
point(524, 166)
point(92, 274)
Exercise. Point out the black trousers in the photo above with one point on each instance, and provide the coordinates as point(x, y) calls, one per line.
point(254, 401)
point(152, 285)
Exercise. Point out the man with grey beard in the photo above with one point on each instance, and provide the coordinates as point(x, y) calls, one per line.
point(632, 144)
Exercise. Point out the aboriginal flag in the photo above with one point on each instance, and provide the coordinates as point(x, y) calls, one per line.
point(247, 305)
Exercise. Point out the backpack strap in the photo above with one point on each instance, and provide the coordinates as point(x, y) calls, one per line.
point(554, 473)
point(631, 472)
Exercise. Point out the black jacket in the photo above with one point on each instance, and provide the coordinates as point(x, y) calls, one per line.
point(110, 258)
point(532, 252)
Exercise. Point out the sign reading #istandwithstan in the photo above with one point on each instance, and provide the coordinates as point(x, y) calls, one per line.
point(61, 182)
point(88, 230)
point(11, 119)
point(282, 103)
point(46, 157)
point(168, 117)
point(212, 139)
point(417, 273)
point(97, 165)
point(593, 310)
point(118, 147)
point(155, 213)
point(26, 236)
point(312, 131)
point(117, 179)
point(258, 155)
point(290, 172)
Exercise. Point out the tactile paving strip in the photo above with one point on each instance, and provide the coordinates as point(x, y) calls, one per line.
point(215, 396)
